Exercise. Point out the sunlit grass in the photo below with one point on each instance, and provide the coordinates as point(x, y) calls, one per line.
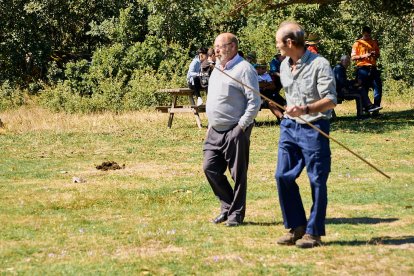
point(153, 216)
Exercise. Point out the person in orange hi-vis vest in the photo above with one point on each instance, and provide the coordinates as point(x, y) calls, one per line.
point(365, 52)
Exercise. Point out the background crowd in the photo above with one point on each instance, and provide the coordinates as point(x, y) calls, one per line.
point(366, 76)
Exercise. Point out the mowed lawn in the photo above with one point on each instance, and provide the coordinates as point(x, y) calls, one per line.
point(61, 215)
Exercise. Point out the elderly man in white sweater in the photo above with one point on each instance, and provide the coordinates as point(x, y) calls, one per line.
point(231, 108)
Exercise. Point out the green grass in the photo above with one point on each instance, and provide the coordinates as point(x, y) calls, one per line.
point(153, 217)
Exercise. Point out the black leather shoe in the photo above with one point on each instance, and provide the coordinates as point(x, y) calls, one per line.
point(220, 218)
point(232, 223)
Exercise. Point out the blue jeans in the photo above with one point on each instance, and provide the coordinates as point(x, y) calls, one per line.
point(371, 77)
point(301, 146)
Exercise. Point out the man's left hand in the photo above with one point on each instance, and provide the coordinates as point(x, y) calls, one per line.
point(295, 111)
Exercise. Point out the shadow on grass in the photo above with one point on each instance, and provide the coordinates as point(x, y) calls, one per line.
point(361, 220)
point(376, 241)
point(388, 121)
point(248, 223)
point(267, 123)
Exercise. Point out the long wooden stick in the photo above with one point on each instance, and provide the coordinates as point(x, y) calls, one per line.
point(309, 124)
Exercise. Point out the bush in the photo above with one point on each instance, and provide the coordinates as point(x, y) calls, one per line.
point(10, 97)
point(398, 90)
point(142, 90)
point(109, 95)
point(61, 98)
point(119, 78)
point(77, 77)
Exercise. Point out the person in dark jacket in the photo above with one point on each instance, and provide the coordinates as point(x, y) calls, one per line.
point(352, 90)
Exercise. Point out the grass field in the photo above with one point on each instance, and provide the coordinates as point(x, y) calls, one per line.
point(153, 216)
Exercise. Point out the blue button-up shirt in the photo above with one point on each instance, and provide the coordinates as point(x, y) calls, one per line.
point(312, 80)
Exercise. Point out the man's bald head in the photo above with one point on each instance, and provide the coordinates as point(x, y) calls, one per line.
point(229, 37)
point(226, 46)
point(293, 31)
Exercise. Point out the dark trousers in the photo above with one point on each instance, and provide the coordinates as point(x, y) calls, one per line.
point(358, 100)
point(371, 77)
point(228, 149)
point(357, 93)
point(301, 146)
point(274, 96)
point(196, 87)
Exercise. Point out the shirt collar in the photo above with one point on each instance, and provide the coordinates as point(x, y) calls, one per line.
point(302, 60)
point(231, 62)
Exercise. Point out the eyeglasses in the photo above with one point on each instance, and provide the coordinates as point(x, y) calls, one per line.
point(222, 46)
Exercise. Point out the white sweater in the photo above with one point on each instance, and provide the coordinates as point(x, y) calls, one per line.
point(230, 103)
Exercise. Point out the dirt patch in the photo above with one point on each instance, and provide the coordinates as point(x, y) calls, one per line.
point(110, 165)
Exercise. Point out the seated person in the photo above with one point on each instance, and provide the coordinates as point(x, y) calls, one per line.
point(251, 57)
point(267, 88)
point(351, 90)
point(193, 74)
point(207, 67)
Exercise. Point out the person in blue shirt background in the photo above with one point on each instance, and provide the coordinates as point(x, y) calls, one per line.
point(193, 74)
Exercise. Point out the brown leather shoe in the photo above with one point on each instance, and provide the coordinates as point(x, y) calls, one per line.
point(309, 241)
point(293, 235)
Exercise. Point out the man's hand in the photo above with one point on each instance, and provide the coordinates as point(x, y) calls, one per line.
point(296, 111)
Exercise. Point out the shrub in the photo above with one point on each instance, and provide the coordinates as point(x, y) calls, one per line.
point(10, 97)
point(61, 98)
point(77, 77)
point(398, 90)
point(142, 90)
point(109, 95)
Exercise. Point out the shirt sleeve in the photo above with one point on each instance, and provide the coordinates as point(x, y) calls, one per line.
point(355, 51)
point(253, 98)
point(340, 77)
point(193, 69)
point(326, 82)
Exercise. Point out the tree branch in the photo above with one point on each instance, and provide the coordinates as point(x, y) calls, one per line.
point(273, 6)
point(270, 5)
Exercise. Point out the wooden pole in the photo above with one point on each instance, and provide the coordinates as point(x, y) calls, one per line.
point(309, 124)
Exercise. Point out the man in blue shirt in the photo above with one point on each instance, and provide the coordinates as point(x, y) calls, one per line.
point(311, 95)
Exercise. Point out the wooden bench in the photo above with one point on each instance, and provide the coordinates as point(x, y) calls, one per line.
point(174, 108)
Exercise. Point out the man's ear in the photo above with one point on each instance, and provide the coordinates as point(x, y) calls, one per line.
point(289, 42)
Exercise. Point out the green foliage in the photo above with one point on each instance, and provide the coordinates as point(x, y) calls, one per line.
point(61, 98)
point(106, 62)
point(54, 73)
point(77, 77)
point(129, 27)
point(10, 97)
point(110, 81)
point(397, 90)
point(108, 95)
point(142, 88)
point(177, 21)
point(259, 35)
point(41, 27)
point(87, 46)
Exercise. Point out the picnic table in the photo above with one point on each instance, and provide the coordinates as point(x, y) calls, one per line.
point(174, 108)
